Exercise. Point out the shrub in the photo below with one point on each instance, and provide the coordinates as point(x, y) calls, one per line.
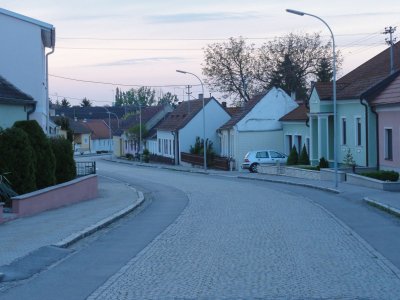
point(65, 164)
point(304, 159)
point(293, 157)
point(17, 160)
point(129, 156)
point(45, 166)
point(6, 192)
point(323, 163)
point(382, 175)
point(146, 155)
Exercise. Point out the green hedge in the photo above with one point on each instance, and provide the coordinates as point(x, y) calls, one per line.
point(382, 175)
point(45, 161)
point(65, 163)
point(17, 160)
point(293, 157)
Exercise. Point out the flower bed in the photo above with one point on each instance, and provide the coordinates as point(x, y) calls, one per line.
point(373, 183)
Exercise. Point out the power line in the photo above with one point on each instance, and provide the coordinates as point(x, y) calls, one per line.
point(119, 84)
point(130, 49)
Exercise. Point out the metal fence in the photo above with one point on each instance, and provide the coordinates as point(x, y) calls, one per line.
point(84, 168)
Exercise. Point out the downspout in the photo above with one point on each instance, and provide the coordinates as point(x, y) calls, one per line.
point(366, 131)
point(377, 137)
point(31, 111)
point(53, 40)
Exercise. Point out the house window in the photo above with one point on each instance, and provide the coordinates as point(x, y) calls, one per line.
point(298, 143)
point(358, 131)
point(344, 130)
point(170, 150)
point(388, 144)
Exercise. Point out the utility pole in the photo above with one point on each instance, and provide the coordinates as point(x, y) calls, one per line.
point(188, 93)
point(390, 41)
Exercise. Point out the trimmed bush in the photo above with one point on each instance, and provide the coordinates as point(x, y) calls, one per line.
point(382, 175)
point(146, 155)
point(65, 163)
point(17, 160)
point(304, 159)
point(293, 157)
point(45, 161)
point(323, 163)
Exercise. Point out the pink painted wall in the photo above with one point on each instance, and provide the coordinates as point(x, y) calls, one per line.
point(389, 119)
point(74, 191)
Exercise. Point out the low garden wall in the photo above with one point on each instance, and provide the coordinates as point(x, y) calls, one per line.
point(288, 171)
point(373, 183)
point(329, 174)
point(77, 190)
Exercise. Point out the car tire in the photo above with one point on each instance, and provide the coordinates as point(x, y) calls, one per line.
point(253, 168)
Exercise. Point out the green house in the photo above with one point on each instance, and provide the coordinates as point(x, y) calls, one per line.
point(15, 105)
point(356, 120)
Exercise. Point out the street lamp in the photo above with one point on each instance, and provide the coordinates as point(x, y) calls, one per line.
point(204, 117)
point(109, 127)
point(335, 163)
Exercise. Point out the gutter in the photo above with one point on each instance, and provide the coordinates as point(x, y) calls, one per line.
point(366, 131)
point(53, 42)
point(377, 137)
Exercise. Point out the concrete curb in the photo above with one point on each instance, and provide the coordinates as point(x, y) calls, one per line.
point(73, 238)
point(382, 206)
point(326, 189)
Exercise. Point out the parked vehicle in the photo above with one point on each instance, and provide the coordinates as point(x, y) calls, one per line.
point(255, 158)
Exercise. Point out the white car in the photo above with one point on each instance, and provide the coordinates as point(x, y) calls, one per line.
point(255, 158)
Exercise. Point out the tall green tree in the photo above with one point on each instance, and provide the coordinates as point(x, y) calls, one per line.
point(17, 160)
point(65, 103)
point(86, 102)
point(168, 98)
point(324, 70)
point(143, 96)
point(45, 163)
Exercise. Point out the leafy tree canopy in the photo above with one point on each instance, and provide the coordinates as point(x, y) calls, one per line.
point(86, 102)
point(291, 62)
point(65, 103)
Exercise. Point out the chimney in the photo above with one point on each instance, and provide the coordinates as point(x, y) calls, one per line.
point(201, 96)
point(293, 95)
point(224, 104)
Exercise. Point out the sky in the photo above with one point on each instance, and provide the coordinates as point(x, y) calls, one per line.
point(133, 43)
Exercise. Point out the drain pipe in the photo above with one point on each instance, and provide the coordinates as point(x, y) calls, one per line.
point(366, 131)
point(377, 137)
point(53, 42)
point(31, 111)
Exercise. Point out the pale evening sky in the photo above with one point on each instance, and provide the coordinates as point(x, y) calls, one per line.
point(139, 43)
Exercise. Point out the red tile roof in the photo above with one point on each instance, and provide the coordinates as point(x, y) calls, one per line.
point(99, 129)
point(298, 114)
point(182, 114)
point(361, 79)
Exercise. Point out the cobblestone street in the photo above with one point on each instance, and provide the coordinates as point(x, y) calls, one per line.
point(249, 241)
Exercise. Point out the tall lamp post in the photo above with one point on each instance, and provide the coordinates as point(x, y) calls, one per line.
point(109, 127)
point(204, 117)
point(335, 161)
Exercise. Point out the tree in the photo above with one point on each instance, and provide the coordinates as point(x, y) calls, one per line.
point(304, 159)
point(45, 163)
point(305, 51)
point(17, 160)
point(65, 103)
point(63, 122)
point(324, 70)
point(143, 96)
point(293, 157)
point(229, 69)
point(168, 98)
point(290, 62)
point(65, 163)
point(86, 102)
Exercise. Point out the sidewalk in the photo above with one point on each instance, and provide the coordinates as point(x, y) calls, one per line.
point(388, 201)
point(63, 226)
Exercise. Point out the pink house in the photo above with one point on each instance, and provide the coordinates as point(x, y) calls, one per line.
point(386, 104)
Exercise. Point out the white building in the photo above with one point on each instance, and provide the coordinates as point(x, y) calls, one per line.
point(23, 59)
point(256, 126)
point(179, 131)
